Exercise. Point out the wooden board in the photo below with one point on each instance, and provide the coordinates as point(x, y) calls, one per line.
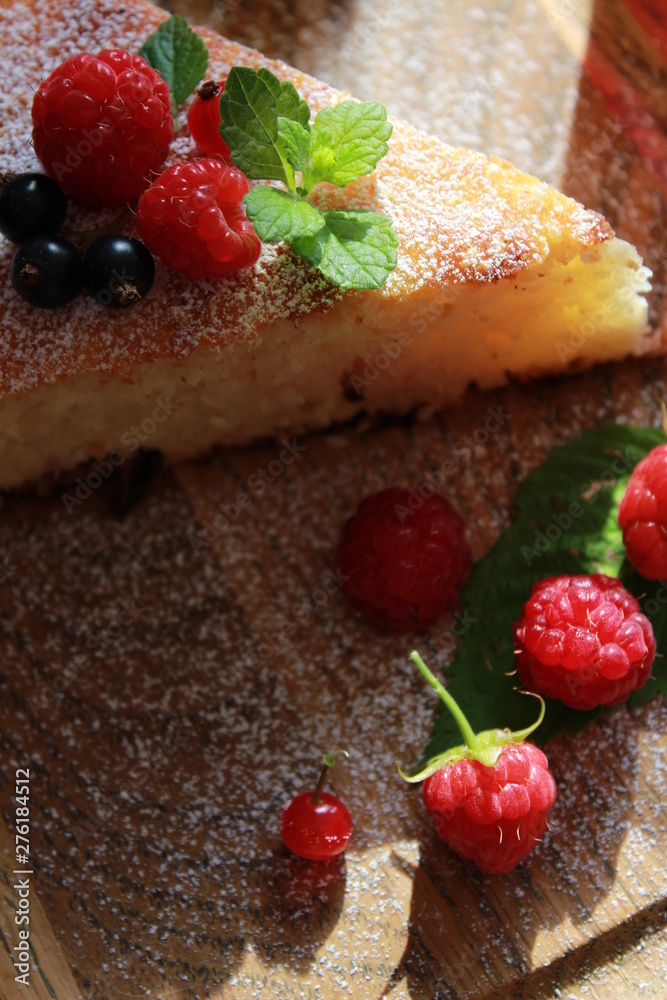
point(170, 684)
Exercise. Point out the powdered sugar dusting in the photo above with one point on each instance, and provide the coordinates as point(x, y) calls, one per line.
point(167, 719)
point(172, 713)
point(458, 216)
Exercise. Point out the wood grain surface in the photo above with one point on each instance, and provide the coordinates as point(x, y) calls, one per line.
point(170, 683)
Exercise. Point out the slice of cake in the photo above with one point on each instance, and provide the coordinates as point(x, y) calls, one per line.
point(498, 276)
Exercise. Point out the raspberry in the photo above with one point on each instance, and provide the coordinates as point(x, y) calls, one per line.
point(204, 119)
point(192, 217)
point(642, 515)
point(493, 816)
point(102, 125)
point(402, 562)
point(584, 640)
point(488, 798)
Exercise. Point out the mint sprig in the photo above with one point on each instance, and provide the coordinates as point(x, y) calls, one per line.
point(294, 140)
point(179, 56)
point(566, 522)
point(252, 103)
point(276, 215)
point(347, 141)
point(353, 249)
point(266, 127)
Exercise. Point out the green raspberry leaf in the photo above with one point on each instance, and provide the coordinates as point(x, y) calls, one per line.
point(566, 522)
point(295, 140)
point(252, 103)
point(347, 140)
point(179, 56)
point(277, 215)
point(354, 249)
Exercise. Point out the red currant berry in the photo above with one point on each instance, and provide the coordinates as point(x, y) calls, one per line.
point(204, 119)
point(316, 825)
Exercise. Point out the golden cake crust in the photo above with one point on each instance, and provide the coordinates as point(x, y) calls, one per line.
point(460, 217)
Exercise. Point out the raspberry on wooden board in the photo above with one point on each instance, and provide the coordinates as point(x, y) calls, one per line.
point(489, 798)
point(492, 815)
point(642, 515)
point(402, 564)
point(102, 125)
point(193, 218)
point(583, 639)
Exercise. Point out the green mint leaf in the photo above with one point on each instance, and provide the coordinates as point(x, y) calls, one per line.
point(277, 215)
point(347, 140)
point(323, 163)
point(295, 140)
point(250, 107)
point(354, 249)
point(566, 522)
point(179, 56)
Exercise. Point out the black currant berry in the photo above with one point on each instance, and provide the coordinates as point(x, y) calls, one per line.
point(118, 271)
point(46, 271)
point(31, 205)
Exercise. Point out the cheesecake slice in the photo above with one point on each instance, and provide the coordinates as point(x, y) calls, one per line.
point(499, 276)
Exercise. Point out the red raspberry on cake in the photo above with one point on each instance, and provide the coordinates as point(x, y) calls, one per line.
point(193, 218)
point(102, 126)
point(584, 640)
point(204, 119)
point(642, 515)
point(403, 558)
point(489, 798)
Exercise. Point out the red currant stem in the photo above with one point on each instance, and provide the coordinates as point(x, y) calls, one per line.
point(329, 760)
point(466, 729)
point(664, 418)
